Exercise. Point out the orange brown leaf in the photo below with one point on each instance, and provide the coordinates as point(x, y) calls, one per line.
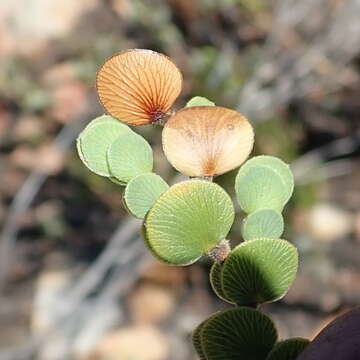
point(138, 86)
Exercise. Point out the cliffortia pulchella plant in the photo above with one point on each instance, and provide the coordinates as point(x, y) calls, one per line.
point(192, 218)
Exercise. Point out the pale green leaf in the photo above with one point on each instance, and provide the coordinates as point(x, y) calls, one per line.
point(199, 101)
point(188, 220)
point(129, 156)
point(279, 166)
point(142, 192)
point(94, 142)
point(260, 187)
point(264, 223)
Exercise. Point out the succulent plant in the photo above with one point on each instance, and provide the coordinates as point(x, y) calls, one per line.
point(192, 219)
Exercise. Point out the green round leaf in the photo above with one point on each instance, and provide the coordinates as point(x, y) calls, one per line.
point(259, 271)
point(129, 156)
point(142, 192)
point(104, 119)
point(101, 119)
point(196, 340)
point(188, 220)
point(238, 334)
point(94, 142)
point(288, 349)
point(215, 281)
point(265, 223)
point(279, 166)
point(260, 187)
point(199, 101)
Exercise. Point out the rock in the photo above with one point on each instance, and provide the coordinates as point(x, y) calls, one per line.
point(69, 101)
point(34, 23)
point(138, 342)
point(149, 304)
point(328, 223)
point(50, 287)
point(165, 275)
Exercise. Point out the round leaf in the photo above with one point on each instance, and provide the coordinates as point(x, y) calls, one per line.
point(259, 187)
point(215, 281)
point(259, 271)
point(142, 192)
point(207, 140)
point(199, 101)
point(188, 220)
point(265, 223)
point(276, 164)
point(238, 334)
point(103, 119)
point(138, 86)
point(288, 349)
point(94, 142)
point(129, 156)
point(340, 340)
point(197, 342)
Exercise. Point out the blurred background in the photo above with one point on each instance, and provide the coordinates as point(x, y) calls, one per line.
point(76, 281)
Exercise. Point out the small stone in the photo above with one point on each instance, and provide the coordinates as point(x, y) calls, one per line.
point(138, 342)
point(150, 304)
point(329, 223)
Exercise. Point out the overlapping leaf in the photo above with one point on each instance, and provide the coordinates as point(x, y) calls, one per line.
point(288, 349)
point(216, 281)
point(187, 221)
point(199, 101)
point(259, 271)
point(264, 223)
point(260, 187)
point(142, 192)
point(129, 156)
point(110, 148)
point(238, 334)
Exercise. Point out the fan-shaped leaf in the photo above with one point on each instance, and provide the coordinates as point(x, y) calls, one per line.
point(199, 101)
point(188, 220)
point(197, 342)
point(276, 164)
point(94, 142)
point(288, 349)
point(129, 156)
point(101, 119)
point(259, 271)
point(215, 281)
point(260, 187)
point(142, 192)
point(238, 334)
point(138, 86)
point(207, 140)
point(265, 223)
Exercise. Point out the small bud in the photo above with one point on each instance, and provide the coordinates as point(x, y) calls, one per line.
point(220, 252)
